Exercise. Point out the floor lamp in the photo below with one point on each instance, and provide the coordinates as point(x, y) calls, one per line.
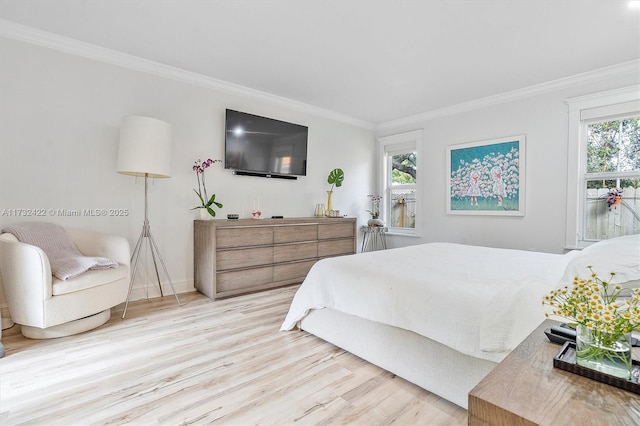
point(145, 151)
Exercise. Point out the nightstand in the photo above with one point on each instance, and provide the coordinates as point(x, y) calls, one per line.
point(374, 238)
point(525, 389)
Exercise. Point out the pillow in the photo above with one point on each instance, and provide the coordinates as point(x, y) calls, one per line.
point(620, 255)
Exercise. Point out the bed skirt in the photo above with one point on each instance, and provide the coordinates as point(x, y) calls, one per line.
point(422, 361)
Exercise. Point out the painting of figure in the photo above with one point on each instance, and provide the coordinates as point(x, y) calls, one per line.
point(487, 177)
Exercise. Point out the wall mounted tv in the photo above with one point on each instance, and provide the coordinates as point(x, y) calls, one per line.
point(260, 146)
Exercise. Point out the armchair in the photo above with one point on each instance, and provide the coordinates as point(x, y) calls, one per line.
point(47, 307)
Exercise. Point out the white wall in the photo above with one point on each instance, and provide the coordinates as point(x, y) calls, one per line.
point(59, 122)
point(544, 121)
point(59, 125)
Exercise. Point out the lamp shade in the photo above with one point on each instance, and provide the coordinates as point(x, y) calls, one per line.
point(145, 147)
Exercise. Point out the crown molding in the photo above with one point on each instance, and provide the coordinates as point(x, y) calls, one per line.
point(12, 30)
point(625, 68)
point(615, 96)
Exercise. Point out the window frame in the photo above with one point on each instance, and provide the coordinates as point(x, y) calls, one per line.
point(410, 141)
point(583, 111)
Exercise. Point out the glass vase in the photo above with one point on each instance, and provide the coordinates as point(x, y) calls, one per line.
point(604, 352)
point(329, 206)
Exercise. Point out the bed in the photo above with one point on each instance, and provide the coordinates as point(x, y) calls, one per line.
point(442, 315)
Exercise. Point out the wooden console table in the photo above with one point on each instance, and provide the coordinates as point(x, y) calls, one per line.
point(525, 389)
point(233, 257)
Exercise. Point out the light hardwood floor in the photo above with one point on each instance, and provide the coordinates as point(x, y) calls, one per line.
point(222, 362)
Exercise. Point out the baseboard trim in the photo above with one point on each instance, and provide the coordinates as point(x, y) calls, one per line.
point(150, 290)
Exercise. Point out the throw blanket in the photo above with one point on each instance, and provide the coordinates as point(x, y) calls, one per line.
point(65, 259)
point(477, 300)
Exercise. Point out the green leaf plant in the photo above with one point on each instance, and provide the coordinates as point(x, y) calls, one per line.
point(336, 177)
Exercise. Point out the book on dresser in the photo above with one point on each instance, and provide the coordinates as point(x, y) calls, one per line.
point(233, 257)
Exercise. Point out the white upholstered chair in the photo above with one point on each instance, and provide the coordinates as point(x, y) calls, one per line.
point(47, 307)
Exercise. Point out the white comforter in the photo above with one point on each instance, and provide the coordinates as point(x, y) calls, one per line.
point(477, 300)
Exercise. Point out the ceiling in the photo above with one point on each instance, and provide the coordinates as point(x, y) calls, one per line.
point(371, 60)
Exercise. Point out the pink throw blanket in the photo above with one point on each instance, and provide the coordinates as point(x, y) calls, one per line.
point(65, 259)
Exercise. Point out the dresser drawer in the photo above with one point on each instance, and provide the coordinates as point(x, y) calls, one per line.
point(233, 259)
point(238, 280)
point(335, 247)
point(294, 233)
point(335, 230)
point(243, 237)
point(290, 252)
point(292, 271)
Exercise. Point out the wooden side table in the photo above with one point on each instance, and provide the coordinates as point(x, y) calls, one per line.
point(374, 238)
point(525, 389)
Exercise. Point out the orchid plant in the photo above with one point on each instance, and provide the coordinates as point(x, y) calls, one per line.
point(205, 202)
point(375, 205)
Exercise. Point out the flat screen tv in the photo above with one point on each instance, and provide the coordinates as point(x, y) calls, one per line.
point(260, 146)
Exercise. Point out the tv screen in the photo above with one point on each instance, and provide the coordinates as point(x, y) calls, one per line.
point(264, 146)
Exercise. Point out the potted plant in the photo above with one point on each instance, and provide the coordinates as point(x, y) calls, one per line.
point(375, 211)
point(614, 197)
point(206, 203)
point(335, 178)
point(603, 318)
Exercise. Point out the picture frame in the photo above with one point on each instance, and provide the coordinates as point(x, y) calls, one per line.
point(487, 177)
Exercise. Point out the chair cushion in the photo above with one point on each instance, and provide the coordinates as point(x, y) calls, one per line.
point(89, 279)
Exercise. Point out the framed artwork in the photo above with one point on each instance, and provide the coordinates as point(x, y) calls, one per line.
point(487, 177)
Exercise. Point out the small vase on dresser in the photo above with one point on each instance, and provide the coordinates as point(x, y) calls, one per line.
point(203, 214)
point(329, 206)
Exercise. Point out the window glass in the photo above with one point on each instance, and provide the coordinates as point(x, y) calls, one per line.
point(402, 194)
point(400, 183)
point(403, 169)
point(603, 159)
point(612, 179)
point(613, 146)
point(402, 208)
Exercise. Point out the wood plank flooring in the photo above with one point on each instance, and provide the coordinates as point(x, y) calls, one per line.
point(206, 362)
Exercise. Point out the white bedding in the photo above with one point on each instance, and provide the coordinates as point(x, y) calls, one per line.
point(479, 301)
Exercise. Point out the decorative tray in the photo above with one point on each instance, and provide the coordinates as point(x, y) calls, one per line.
point(566, 360)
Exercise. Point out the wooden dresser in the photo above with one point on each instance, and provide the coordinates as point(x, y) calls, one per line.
point(233, 257)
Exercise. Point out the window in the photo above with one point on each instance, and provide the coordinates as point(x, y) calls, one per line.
point(401, 182)
point(612, 179)
point(604, 164)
